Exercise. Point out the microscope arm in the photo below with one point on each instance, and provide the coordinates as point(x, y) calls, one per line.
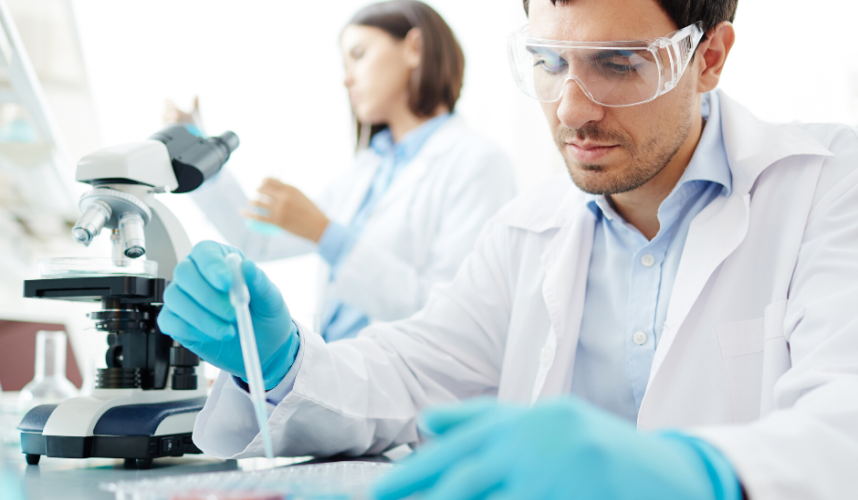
point(168, 241)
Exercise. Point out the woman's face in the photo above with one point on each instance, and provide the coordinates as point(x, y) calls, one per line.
point(378, 70)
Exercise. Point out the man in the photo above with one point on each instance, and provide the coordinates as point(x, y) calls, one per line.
point(699, 282)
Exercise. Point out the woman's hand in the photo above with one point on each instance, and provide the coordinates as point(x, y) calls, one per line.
point(173, 114)
point(289, 209)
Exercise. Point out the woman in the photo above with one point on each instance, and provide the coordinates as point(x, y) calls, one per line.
point(422, 186)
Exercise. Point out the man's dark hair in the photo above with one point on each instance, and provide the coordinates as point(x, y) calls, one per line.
point(439, 78)
point(684, 12)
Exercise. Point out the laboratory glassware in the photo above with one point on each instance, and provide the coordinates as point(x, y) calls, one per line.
point(49, 384)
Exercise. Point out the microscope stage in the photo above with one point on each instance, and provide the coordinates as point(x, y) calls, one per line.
point(128, 289)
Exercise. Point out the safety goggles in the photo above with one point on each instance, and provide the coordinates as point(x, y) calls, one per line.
point(610, 73)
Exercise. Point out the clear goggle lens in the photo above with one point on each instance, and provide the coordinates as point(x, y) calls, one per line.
point(609, 73)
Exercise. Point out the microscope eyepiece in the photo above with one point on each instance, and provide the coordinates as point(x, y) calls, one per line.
point(228, 141)
point(195, 159)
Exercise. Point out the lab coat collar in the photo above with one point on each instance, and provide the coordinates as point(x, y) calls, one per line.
point(408, 146)
point(440, 141)
point(753, 145)
point(437, 143)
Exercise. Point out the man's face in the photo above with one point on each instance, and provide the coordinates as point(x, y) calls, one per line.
point(613, 150)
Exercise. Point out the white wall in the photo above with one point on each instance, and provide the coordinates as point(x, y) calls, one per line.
point(796, 60)
point(271, 71)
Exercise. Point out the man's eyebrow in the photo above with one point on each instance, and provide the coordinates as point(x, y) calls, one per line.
point(610, 53)
point(536, 50)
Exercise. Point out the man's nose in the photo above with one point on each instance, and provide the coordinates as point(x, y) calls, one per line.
point(576, 109)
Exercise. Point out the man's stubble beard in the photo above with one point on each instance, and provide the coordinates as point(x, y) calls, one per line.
point(647, 161)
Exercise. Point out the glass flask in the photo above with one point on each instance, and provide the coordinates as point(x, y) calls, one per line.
point(49, 385)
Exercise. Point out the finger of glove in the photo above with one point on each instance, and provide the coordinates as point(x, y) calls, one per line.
point(472, 479)
point(265, 298)
point(224, 355)
point(209, 258)
point(439, 420)
point(196, 341)
point(421, 470)
point(209, 325)
point(183, 333)
point(190, 280)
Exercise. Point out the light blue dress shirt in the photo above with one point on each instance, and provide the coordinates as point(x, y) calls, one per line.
point(340, 320)
point(631, 279)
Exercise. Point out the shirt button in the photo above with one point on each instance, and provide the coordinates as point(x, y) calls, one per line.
point(545, 355)
point(647, 260)
point(639, 338)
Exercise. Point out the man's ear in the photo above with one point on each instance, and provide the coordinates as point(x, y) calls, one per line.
point(413, 48)
point(712, 55)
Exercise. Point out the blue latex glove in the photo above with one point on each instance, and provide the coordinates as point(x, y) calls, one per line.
point(198, 314)
point(558, 449)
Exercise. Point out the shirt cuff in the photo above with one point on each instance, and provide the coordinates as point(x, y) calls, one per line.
point(335, 244)
point(281, 390)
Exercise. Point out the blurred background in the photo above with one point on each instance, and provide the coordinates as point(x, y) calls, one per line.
point(271, 71)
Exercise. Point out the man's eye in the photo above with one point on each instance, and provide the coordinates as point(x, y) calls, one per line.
point(621, 68)
point(617, 65)
point(555, 65)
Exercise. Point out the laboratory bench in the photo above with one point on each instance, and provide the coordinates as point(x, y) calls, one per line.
point(79, 479)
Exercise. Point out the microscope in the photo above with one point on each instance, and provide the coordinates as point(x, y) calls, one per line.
point(147, 398)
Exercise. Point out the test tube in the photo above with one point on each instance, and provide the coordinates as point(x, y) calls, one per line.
point(239, 297)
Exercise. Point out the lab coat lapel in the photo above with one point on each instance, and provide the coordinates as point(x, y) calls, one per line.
point(413, 173)
point(565, 263)
point(354, 197)
point(752, 146)
point(404, 184)
point(713, 235)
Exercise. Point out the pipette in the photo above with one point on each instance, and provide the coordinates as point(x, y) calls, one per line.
point(239, 297)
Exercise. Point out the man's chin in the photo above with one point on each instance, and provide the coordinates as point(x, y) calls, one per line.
point(592, 179)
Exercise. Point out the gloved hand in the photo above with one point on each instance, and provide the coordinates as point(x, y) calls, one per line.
point(198, 314)
point(564, 448)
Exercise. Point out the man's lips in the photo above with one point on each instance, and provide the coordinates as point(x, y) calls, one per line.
point(588, 152)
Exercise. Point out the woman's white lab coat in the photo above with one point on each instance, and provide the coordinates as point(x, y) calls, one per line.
point(759, 353)
point(419, 233)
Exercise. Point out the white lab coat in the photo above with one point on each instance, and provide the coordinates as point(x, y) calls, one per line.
point(419, 233)
point(759, 353)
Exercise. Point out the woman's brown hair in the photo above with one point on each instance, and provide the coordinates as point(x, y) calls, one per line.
point(438, 79)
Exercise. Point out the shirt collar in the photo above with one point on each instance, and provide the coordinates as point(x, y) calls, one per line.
point(407, 148)
point(709, 162)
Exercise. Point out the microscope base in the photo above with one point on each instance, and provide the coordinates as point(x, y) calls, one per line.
point(136, 432)
point(138, 451)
